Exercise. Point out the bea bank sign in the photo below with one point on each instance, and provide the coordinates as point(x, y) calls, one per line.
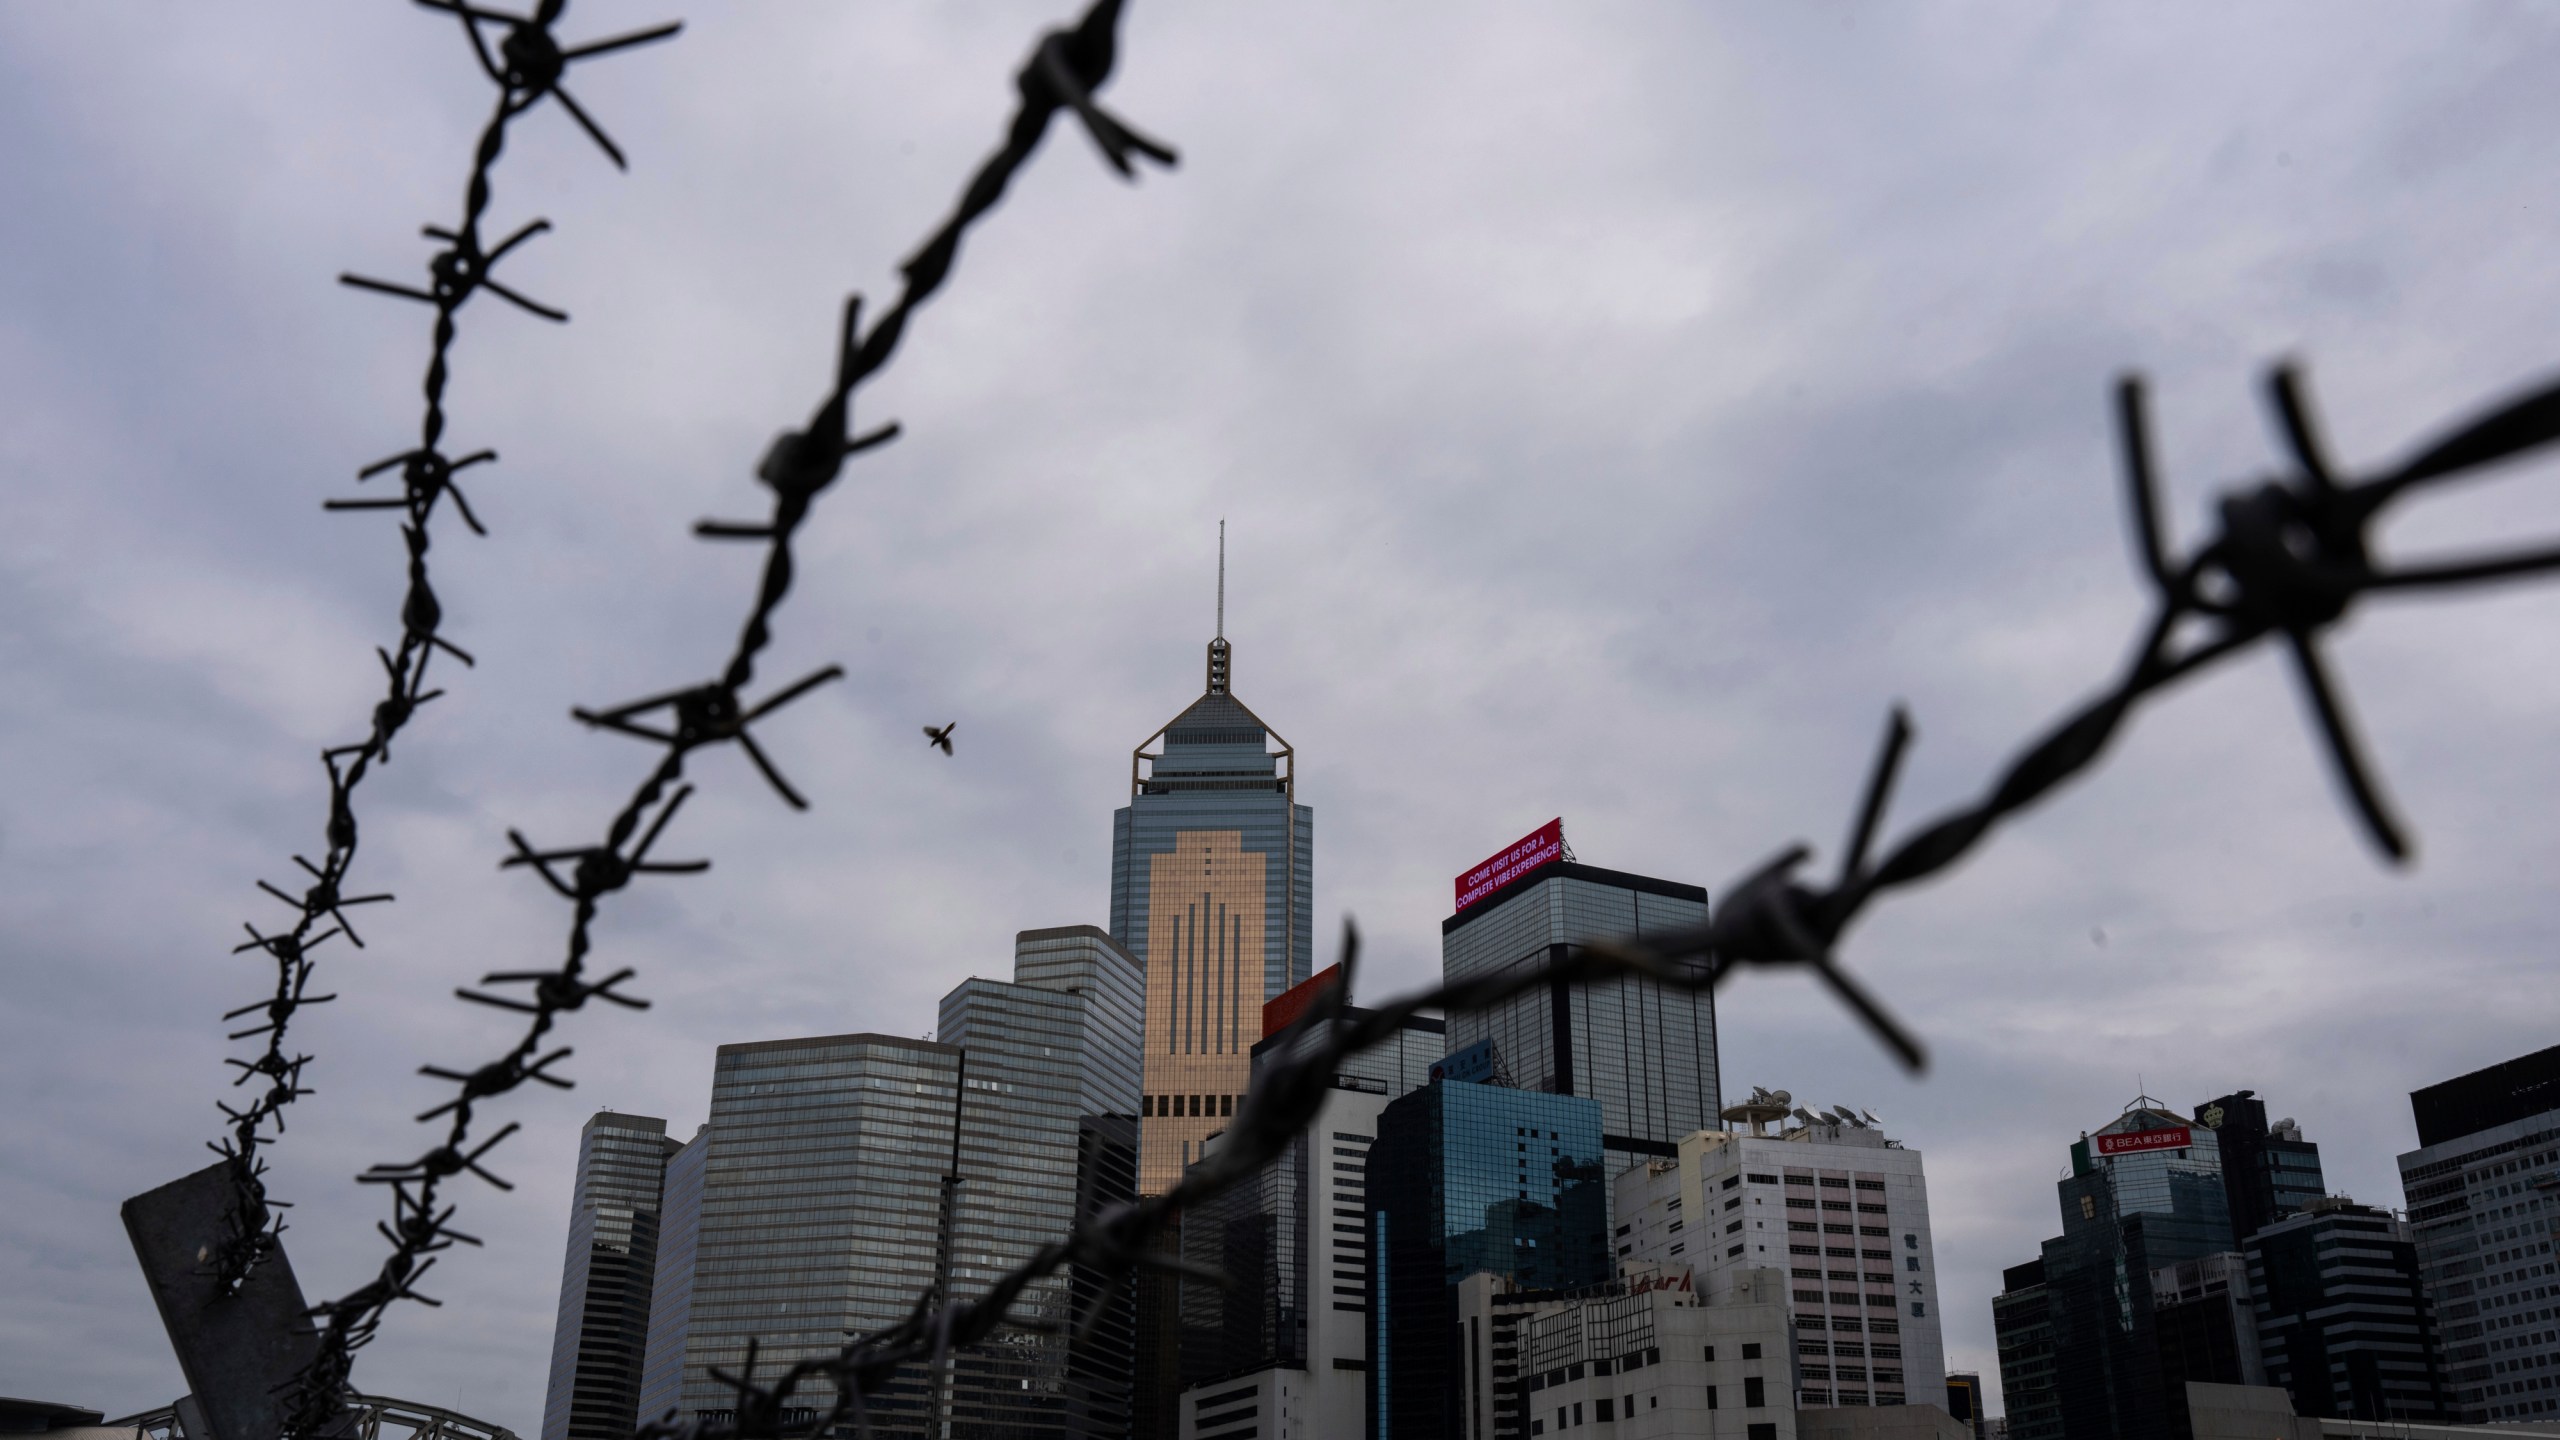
point(1524, 855)
point(2142, 1142)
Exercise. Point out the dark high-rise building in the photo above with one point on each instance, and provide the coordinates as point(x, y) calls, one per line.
point(671, 1293)
point(2145, 1192)
point(597, 1344)
point(1645, 1051)
point(1293, 1333)
point(2204, 1330)
point(1467, 1178)
point(2466, 1105)
point(2342, 1318)
point(1211, 888)
point(2268, 1171)
point(1965, 1403)
point(2484, 1195)
point(2022, 1321)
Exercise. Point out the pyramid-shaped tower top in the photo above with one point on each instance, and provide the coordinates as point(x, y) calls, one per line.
point(1216, 718)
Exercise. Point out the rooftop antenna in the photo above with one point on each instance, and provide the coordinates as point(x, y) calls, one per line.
point(1218, 648)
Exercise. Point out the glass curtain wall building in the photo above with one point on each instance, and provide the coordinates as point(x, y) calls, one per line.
point(2145, 1193)
point(1466, 1178)
point(848, 1175)
point(1044, 1054)
point(1645, 1052)
point(1211, 887)
point(826, 1209)
point(603, 1327)
point(671, 1292)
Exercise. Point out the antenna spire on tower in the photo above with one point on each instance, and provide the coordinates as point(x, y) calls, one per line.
point(1218, 649)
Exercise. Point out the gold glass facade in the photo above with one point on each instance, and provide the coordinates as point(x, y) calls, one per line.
point(1205, 986)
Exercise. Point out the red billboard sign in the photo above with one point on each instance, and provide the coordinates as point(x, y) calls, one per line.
point(2139, 1142)
point(1282, 1010)
point(1528, 853)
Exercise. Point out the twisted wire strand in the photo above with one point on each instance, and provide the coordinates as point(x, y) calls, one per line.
point(531, 70)
point(1066, 67)
point(2290, 560)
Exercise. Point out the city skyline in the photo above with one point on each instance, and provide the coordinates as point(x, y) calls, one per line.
point(1617, 414)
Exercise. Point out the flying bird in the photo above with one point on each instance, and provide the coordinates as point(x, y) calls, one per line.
point(941, 737)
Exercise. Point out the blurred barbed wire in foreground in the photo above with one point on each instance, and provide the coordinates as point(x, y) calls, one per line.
point(1066, 68)
point(527, 66)
point(2289, 560)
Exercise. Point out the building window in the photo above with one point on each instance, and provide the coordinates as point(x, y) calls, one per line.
point(1711, 1354)
point(1754, 1393)
point(2088, 1207)
point(1711, 1397)
point(1751, 1350)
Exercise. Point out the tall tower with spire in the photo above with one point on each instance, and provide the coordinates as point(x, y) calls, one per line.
point(1211, 887)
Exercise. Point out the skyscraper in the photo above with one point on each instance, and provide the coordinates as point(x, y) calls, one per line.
point(1047, 1057)
point(1466, 1178)
point(826, 1208)
point(671, 1293)
point(2022, 1323)
point(2268, 1171)
point(2484, 1200)
point(2341, 1317)
point(2145, 1192)
point(848, 1175)
point(1645, 1051)
point(1211, 888)
point(597, 1343)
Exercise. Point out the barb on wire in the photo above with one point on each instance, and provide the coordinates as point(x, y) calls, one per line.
point(461, 269)
point(2293, 555)
point(1065, 69)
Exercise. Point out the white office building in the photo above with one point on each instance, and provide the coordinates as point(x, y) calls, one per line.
point(1841, 1207)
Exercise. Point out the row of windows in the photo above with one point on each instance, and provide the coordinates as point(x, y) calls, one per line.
point(1199, 1107)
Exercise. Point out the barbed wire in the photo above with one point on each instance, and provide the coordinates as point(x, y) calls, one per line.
point(2291, 557)
point(527, 66)
point(1066, 67)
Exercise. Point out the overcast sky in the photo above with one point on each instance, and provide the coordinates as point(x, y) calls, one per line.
point(1615, 408)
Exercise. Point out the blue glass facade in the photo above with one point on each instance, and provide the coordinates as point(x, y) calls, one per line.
point(1467, 1178)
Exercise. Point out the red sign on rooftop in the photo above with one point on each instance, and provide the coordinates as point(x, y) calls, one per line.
point(1528, 853)
point(1282, 1010)
point(2137, 1142)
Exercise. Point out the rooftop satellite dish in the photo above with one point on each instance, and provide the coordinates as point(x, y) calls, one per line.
point(1844, 1115)
point(1781, 1097)
point(1871, 1118)
point(1806, 1116)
